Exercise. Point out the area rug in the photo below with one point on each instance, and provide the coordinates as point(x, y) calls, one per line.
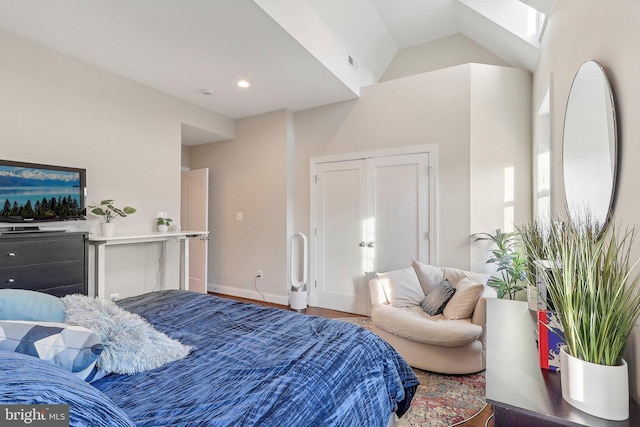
point(441, 400)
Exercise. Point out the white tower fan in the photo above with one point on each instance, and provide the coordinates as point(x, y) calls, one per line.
point(298, 297)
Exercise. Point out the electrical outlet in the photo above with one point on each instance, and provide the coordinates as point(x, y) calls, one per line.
point(114, 297)
point(259, 274)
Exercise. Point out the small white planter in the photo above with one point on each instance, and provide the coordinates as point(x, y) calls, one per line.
point(599, 390)
point(163, 228)
point(107, 228)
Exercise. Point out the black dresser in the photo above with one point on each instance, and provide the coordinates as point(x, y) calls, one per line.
point(51, 262)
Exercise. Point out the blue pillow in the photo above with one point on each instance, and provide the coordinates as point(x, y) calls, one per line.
point(19, 304)
point(73, 348)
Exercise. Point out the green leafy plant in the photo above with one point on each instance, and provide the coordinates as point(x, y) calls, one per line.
point(109, 211)
point(164, 221)
point(593, 289)
point(536, 244)
point(512, 266)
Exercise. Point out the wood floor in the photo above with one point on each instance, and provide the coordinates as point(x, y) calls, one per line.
point(312, 311)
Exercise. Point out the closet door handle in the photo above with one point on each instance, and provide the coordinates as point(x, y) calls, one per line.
point(370, 244)
point(362, 244)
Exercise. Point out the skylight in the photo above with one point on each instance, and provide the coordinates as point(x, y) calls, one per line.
point(512, 15)
point(535, 23)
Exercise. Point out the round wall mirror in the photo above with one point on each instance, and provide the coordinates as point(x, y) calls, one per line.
point(589, 146)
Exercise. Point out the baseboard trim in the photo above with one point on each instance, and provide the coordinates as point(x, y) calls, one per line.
point(248, 293)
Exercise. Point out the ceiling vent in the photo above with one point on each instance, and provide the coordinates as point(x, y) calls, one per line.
point(352, 62)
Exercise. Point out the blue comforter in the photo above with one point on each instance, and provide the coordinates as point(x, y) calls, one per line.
point(254, 365)
point(250, 366)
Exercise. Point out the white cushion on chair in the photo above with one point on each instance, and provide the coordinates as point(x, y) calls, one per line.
point(464, 300)
point(455, 275)
point(402, 287)
point(414, 324)
point(428, 275)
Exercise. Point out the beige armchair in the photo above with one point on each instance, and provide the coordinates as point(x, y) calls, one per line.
point(452, 342)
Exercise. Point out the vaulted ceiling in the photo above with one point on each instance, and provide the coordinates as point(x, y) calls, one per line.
point(296, 54)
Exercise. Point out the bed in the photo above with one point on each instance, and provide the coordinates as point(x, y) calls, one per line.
point(247, 366)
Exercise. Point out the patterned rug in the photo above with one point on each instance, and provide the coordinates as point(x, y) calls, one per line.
point(441, 400)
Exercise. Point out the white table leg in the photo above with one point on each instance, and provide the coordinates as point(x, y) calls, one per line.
point(100, 275)
point(184, 263)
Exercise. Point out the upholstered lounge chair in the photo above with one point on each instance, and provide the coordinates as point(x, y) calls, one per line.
point(452, 342)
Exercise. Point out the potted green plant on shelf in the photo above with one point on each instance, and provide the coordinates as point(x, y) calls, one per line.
point(594, 289)
point(535, 243)
point(511, 264)
point(109, 212)
point(163, 224)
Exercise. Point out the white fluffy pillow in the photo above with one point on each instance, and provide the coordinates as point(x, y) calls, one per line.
point(131, 345)
point(402, 287)
point(455, 275)
point(428, 275)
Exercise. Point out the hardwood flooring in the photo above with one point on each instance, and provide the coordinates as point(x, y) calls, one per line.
point(312, 311)
point(483, 419)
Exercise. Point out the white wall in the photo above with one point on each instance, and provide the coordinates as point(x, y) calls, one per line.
point(608, 32)
point(442, 53)
point(58, 110)
point(185, 159)
point(501, 177)
point(248, 175)
point(264, 172)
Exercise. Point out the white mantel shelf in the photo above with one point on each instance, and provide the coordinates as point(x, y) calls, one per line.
point(101, 242)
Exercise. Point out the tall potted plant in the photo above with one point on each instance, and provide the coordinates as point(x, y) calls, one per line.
point(594, 289)
point(536, 244)
point(511, 264)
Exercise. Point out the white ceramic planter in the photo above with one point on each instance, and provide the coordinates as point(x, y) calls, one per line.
point(163, 228)
point(599, 390)
point(107, 228)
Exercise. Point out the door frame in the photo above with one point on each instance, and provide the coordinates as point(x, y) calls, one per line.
point(430, 149)
point(184, 209)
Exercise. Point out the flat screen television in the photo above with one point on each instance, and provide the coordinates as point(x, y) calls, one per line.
point(31, 192)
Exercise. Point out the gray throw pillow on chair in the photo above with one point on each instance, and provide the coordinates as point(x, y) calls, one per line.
point(436, 300)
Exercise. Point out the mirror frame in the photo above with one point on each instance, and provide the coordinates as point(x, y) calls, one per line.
point(613, 142)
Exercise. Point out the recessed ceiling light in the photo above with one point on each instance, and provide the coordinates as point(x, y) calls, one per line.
point(243, 83)
point(207, 92)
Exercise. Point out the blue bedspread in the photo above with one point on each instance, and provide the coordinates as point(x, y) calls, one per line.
point(254, 365)
point(27, 380)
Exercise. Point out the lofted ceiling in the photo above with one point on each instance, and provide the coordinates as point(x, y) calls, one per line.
point(296, 54)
